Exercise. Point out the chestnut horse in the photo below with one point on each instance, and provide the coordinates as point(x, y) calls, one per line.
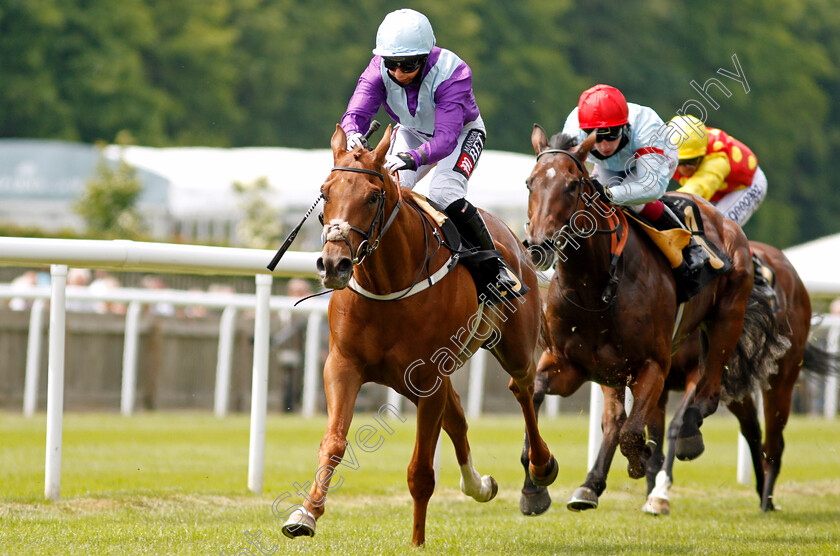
point(794, 318)
point(378, 242)
point(628, 339)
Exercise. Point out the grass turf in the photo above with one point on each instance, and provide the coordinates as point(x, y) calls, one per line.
point(176, 483)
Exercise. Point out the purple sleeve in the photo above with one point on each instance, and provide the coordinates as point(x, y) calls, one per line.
point(366, 100)
point(454, 106)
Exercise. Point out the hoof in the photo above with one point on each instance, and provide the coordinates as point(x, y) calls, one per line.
point(584, 498)
point(494, 488)
point(768, 506)
point(536, 503)
point(657, 506)
point(551, 470)
point(689, 448)
point(636, 469)
point(300, 524)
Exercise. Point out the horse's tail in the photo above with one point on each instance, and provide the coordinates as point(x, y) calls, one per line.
point(760, 346)
point(817, 360)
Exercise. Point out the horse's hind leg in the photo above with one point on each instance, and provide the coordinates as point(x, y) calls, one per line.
point(421, 473)
point(613, 418)
point(482, 489)
point(341, 384)
point(747, 414)
point(777, 401)
point(534, 500)
point(543, 467)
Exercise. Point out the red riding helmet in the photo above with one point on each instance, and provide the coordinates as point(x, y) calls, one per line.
point(601, 106)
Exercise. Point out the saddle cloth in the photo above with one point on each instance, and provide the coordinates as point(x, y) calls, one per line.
point(672, 242)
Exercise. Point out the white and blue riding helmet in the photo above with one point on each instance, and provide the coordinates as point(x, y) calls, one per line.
point(404, 33)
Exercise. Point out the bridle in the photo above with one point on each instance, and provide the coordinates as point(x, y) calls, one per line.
point(366, 247)
point(619, 232)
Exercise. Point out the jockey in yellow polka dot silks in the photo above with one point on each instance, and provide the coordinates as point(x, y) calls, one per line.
point(719, 168)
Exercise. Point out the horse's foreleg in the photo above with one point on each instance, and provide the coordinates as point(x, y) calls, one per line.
point(658, 500)
point(482, 489)
point(421, 473)
point(341, 384)
point(656, 440)
point(646, 387)
point(612, 421)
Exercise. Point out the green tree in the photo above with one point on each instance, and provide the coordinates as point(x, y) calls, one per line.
point(108, 202)
point(260, 226)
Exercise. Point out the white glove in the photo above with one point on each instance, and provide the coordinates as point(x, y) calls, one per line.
point(396, 162)
point(356, 139)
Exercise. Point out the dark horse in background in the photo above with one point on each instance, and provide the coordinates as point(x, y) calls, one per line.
point(626, 338)
point(776, 385)
point(378, 241)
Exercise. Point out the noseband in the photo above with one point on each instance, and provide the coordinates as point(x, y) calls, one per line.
point(366, 247)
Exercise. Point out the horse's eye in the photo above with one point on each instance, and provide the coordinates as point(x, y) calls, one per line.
point(372, 199)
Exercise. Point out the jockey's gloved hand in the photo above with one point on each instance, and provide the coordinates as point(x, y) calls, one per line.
point(396, 162)
point(356, 139)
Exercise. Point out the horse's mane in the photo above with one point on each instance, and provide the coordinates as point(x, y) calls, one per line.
point(562, 141)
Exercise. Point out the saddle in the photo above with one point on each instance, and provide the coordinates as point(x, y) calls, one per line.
point(481, 265)
point(672, 242)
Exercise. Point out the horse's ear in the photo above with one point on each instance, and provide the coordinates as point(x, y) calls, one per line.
point(382, 148)
point(338, 142)
point(582, 150)
point(539, 139)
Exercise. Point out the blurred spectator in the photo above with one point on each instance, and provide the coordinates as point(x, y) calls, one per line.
point(834, 308)
point(103, 282)
point(195, 311)
point(79, 278)
point(291, 344)
point(25, 281)
point(154, 282)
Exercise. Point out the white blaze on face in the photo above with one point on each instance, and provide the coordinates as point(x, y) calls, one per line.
point(550, 173)
point(336, 230)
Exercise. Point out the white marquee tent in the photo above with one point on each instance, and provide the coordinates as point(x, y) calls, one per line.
point(818, 264)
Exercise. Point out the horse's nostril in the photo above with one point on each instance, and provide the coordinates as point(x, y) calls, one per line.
point(319, 264)
point(344, 265)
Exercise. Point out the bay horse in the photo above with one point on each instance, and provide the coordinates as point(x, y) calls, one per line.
point(794, 318)
point(627, 340)
point(776, 378)
point(393, 327)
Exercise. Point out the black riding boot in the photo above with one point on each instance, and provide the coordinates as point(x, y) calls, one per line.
point(474, 231)
point(694, 255)
point(761, 283)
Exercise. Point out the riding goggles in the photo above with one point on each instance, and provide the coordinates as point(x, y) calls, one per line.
point(607, 133)
point(407, 63)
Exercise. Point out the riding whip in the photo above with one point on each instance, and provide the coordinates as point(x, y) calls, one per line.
point(374, 125)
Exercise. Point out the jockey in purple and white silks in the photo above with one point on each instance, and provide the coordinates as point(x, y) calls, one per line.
point(428, 91)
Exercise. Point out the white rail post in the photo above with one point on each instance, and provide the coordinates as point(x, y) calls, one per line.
point(130, 350)
point(33, 358)
point(833, 346)
point(259, 385)
point(478, 370)
point(552, 405)
point(311, 364)
point(55, 382)
point(224, 362)
point(596, 410)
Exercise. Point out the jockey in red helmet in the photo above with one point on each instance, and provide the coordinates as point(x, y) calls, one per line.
point(633, 158)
